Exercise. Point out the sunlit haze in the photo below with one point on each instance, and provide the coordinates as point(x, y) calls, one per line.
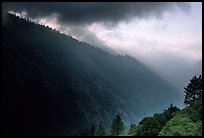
point(178, 32)
point(102, 68)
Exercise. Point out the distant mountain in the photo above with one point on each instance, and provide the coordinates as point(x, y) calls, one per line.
point(175, 70)
point(53, 84)
point(168, 63)
point(186, 74)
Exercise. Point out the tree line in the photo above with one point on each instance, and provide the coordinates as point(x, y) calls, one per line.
point(117, 129)
point(171, 122)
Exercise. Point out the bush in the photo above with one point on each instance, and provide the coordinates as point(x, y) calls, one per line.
point(182, 125)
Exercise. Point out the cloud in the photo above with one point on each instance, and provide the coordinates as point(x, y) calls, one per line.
point(74, 17)
point(127, 28)
point(88, 12)
point(83, 34)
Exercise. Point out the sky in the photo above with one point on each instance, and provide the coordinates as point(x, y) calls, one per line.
point(148, 31)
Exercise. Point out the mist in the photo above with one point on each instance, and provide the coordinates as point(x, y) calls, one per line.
point(165, 36)
point(101, 69)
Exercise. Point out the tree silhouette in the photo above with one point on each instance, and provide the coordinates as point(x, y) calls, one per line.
point(194, 90)
point(117, 127)
point(100, 131)
point(92, 130)
point(169, 113)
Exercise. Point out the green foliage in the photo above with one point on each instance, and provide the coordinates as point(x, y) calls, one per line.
point(182, 125)
point(187, 122)
point(170, 112)
point(74, 77)
point(196, 113)
point(117, 127)
point(194, 110)
point(193, 91)
point(173, 122)
point(100, 131)
point(193, 98)
point(136, 131)
point(151, 126)
point(75, 133)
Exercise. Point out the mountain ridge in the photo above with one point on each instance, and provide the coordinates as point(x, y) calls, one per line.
point(60, 84)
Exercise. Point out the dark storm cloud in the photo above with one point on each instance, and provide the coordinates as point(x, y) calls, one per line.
point(88, 12)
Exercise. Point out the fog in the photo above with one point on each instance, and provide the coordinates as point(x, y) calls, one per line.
point(165, 36)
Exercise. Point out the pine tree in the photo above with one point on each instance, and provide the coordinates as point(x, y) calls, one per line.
point(100, 131)
point(194, 90)
point(117, 127)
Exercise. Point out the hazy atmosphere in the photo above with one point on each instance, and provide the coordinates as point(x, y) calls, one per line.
point(112, 54)
point(143, 30)
point(165, 36)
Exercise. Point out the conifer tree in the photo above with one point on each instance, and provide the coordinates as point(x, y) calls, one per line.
point(117, 127)
point(100, 131)
point(194, 90)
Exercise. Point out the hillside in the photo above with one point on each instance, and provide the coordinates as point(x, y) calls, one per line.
point(173, 121)
point(53, 84)
point(185, 74)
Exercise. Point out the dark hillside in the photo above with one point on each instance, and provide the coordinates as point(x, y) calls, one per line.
point(53, 84)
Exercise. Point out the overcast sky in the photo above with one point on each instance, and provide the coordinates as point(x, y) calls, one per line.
point(142, 30)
